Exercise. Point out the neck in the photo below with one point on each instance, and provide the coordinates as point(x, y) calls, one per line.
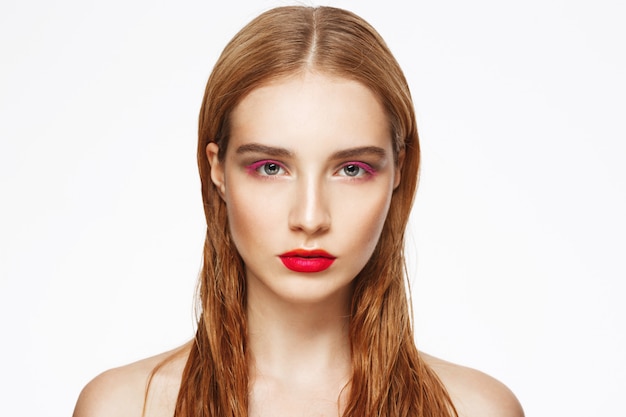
point(300, 352)
point(295, 341)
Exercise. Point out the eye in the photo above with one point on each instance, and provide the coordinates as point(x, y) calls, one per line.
point(356, 169)
point(266, 168)
point(352, 170)
point(270, 168)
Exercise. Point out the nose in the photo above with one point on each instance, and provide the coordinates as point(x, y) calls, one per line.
point(309, 212)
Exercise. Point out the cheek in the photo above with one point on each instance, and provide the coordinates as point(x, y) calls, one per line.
point(242, 219)
point(362, 219)
point(252, 216)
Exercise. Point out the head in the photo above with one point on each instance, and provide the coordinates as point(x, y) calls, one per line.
point(292, 40)
point(388, 376)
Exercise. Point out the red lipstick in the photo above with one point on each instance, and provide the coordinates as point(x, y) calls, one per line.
point(301, 260)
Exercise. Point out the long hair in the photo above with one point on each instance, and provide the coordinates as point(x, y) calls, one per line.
point(389, 378)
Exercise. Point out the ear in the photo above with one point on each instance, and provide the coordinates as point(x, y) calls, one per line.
point(217, 167)
point(398, 170)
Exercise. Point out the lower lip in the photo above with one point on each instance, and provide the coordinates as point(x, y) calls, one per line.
point(301, 264)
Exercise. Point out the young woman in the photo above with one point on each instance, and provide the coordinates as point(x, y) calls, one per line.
point(308, 155)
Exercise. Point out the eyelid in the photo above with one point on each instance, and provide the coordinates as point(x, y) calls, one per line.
point(252, 168)
point(368, 168)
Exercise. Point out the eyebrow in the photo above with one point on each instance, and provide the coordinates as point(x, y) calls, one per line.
point(360, 151)
point(264, 149)
point(283, 152)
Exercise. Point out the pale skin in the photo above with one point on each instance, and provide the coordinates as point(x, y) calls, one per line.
point(309, 165)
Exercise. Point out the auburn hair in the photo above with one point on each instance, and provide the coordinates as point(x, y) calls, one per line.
point(389, 378)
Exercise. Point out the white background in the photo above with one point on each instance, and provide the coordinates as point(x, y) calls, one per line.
point(517, 240)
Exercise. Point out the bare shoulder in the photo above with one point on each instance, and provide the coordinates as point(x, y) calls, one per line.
point(474, 393)
point(121, 392)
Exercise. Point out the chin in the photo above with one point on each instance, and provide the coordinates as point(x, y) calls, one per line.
point(309, 292)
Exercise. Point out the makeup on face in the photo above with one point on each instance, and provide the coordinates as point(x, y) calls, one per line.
point(308, 177)
point(344, 163)
point(308, 261)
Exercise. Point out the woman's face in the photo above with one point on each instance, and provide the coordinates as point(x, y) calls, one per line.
point(307, 179)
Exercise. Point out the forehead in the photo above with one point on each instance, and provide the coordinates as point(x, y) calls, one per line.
point(311, 108)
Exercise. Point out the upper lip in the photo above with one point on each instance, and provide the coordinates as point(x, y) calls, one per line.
point(307, 253)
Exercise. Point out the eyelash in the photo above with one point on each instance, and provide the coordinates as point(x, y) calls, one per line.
point(254, 169)
point(368, 169)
